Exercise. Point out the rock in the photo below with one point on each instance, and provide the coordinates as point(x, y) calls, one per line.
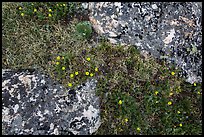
point(33, 104)
point(85, 5)
point(112, 34)
point(163, 29)
point(112, 40)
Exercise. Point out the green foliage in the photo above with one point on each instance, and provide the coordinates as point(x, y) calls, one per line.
point(84, 29)
point(145, 86)
point(46, 11)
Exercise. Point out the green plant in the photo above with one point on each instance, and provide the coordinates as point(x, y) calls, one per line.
point(84, 29)
point(46, 11)
point(135, 92)
point(72, 70)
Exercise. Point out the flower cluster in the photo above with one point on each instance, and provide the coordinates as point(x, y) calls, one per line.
point(61, 67)
point(45, 10)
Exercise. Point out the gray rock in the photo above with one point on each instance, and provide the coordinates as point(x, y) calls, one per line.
point(34, 104)
point(163, 29)
point(85, 5)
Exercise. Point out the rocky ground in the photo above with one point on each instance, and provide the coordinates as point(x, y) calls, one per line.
point(170, 31)
point(33, 104)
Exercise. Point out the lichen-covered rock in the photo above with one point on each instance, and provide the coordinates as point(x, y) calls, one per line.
point(33, 104)
point(167, 30)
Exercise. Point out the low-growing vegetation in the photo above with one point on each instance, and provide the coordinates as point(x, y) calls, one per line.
point(139, 95)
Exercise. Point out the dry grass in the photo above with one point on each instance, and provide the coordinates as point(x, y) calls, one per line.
point(123, 74)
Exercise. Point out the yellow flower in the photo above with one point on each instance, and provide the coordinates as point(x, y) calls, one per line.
point(126, 120)
point(63, 68)
point(57, 63)
point(120, 102)
point(70, 84)
point(76, 73)
point(178, 112)
point(50, 15)
point(198, 92)
point(91, 74)
point(20, 8)
point(50, 10)
point(64, 4)
point(138, 129)
point(71, 75)
point(87, 73)
point(58, 58)
point(35, 10)
point(96, 69)
point(169, 103)
point(22, 14)
point(170, 94)
point(156, 92)
point(62, 57)
point(88, 59)
point(194, 84)
point(178, 89)
point(57, 4)
point(157, 101)
point(180, 125)
point(172, 73)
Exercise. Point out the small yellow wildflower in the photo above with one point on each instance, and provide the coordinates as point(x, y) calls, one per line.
point(157, 102)
point(71, 75)
point(50, 15)
point(180, 125)
point(76, 73)
point(64, 4)
point(169, 103)
point(70, 84)
point(120, 102)
point(63, 68)
point(91, 74)
point(178, 89)
point(178, 112)
point(35, 10)
point(50, 10)
point(57, 63)
point(62, 57)
point(60, 4)
point(96, 69)
point(170, 94)
point(194, 84)
point(22, 14)
point(20, 8)
point(57, 4)
point(87, 73)
point(126, 120)
point(156, 92)
point(198, 92)
point(58, 58)
point(88, 59)
point(172, 73)
point(138, 129)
